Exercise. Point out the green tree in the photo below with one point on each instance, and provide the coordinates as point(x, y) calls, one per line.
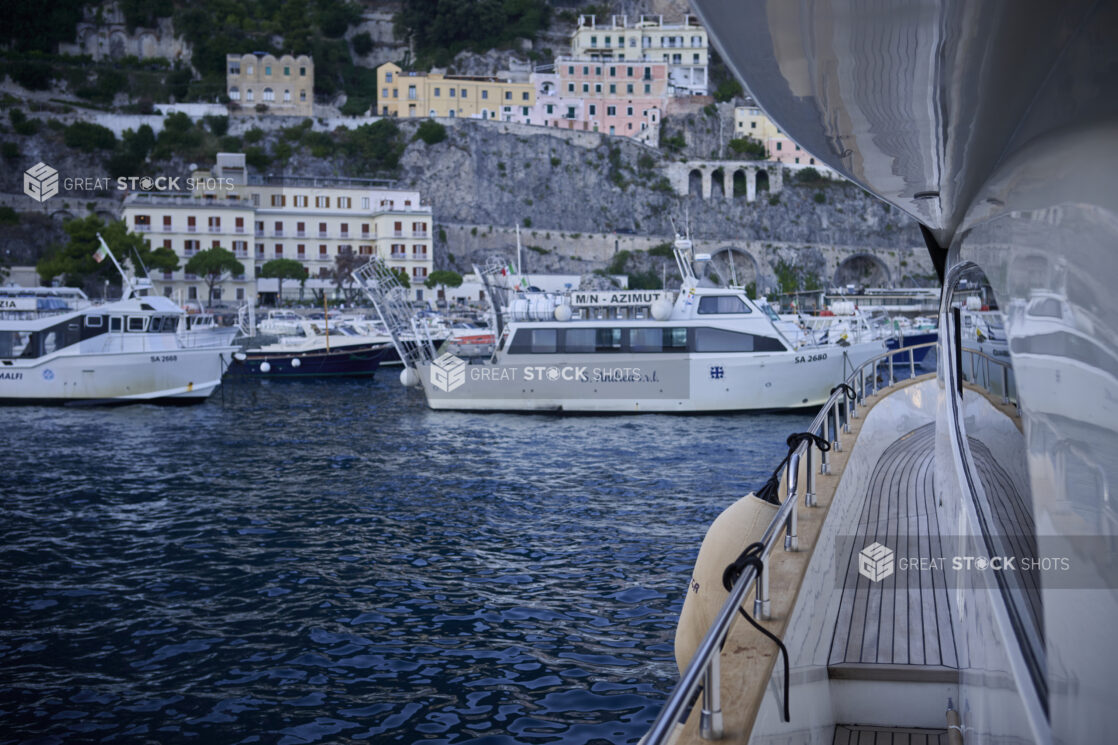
point(401, 277)
point(212, 264)
point(362, 43)
point(749, 147)
point(282, 269)
point(443, 278)
point(73, 261)
point(430, 132)
point(88, 137)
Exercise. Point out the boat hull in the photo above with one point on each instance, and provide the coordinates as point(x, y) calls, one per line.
point(166, 376)
point(356, 361)
point(654, 383)
point(912, 340)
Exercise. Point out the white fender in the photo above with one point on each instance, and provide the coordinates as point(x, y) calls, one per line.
point(739, 525)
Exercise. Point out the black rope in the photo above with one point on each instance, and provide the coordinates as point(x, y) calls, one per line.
point(751, 557)
point(847, 389)
point(770, 491)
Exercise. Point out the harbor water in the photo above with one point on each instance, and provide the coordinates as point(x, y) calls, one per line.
point(304, 562)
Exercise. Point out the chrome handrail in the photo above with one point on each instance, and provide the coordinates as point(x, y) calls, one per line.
point(703, 666)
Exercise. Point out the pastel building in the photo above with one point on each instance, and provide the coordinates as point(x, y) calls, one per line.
point(421, 94)
point(260, 218)
point(617, 98)
point(750, 121)
point(285, 85)
point(682, 46)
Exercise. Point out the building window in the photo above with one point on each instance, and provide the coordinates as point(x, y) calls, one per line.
point(629, 88)
point(278, 200)
point(485, 94)
point(613, 88)
point(464, 92)
point(279, 250)
point(585, 87)
point(388, 76)
point(629, 72)
point(453, 91)
point(269, 95)
point(648, 88)
point(267, 69)
point(597, 87)
point(300, 200)
point(550, 109)
point(780, 146)
point(303, 72)
point(279, 228)
point(570, 87)
point(287, 96)
point(286, 70)
point(611, 111)
point(364, 203)
point(234, 93)
point(593, 109)
point(411, 93)
point(570, 112)
point(322, 202)
point(322, 250)
point(438, 92)
point(251, 70)
point(248, 94)
point(234, 68)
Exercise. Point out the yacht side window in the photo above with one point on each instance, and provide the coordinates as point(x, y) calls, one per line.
point(578, 341)
point(115, 323)
point(136, 323)
point(14, 343)
point(94, 322)
point(544, 341)
point(607, 340)
point(719, 304)
point(723, 340)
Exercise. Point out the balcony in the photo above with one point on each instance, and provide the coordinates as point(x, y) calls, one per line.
point(365, 235)
point(421, 256)
point(215, 228)
point(241, 253)
point(323, 234)
point(397, 234)
point(277, 233)
point(399, 255)
point(239, 229)
point(301, 256)
point(343, 235)
point(419, 234)
point(142, 228)
point(300, 234)
point(168, 229)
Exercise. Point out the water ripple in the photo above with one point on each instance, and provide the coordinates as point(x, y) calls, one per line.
point(317, 562)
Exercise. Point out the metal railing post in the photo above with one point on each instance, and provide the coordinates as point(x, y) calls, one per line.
point(809, 469)
point(836, 440)
point(824, 464)
point(761, 603)
point(710, 721)
point(861, 392)
point(911, 363)
point(892, 380)
point(791, 534)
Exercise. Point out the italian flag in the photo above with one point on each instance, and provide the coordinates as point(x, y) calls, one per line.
point(100, 254)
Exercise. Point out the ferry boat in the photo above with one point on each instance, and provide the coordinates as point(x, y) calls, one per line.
point(708, 349)
point(63, 349)
point(315, 352)
point(936, 559)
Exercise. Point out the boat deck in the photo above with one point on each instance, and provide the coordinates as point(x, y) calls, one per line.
point(904, 619)
point(851, 734)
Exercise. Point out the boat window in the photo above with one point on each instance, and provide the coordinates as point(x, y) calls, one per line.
point(14, 343)
point(723, 304)
point(607, 340)
point(94, 322)
point(535, 341)
point(578, 341)
point(136, 323)
point(724, 340)
point(646, 339)
point(115, 323)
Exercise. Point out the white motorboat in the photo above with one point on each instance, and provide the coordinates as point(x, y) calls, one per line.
point(59, 350)
point(279, 322)
point(315, 351)
point(708, 349)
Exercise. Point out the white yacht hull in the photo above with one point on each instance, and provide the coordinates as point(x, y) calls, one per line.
point(650, 383)
point(173, 375)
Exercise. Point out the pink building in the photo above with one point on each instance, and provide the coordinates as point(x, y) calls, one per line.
point(617, 98)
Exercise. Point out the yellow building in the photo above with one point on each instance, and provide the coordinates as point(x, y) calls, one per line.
point(421, 94)
point(284, 85)
point(260, 218)
point(750, 121)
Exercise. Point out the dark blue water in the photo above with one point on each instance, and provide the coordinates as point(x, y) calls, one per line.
point(333, 562)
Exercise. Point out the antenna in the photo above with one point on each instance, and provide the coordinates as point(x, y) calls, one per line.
point(123, 277)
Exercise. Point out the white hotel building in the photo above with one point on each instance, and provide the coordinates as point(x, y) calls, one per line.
point(260, 218)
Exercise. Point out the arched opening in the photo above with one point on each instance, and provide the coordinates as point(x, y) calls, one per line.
point(862, 270)
point(61, 216)
point(734, 267)
point(740, 183)
point(717, 184)
point(762, 181)
point(695, 182)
